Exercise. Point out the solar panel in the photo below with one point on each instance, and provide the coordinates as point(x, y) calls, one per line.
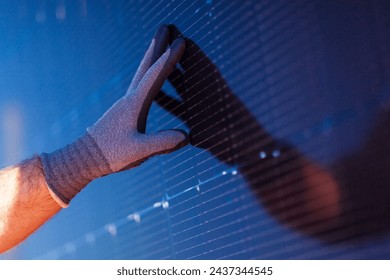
point(286, 103)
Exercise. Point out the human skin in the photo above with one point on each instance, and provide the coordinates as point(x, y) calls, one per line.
point(25, 203)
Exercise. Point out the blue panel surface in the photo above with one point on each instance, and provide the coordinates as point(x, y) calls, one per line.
point(302, 83)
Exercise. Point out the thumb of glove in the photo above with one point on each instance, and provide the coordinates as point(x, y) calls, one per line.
point(163, 142)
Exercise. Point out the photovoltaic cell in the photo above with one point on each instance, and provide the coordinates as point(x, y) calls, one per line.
point(286, 103)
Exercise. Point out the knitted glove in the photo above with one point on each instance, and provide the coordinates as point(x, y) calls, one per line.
point(117, 141)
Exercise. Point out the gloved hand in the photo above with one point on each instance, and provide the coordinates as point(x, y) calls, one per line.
point(117, 141)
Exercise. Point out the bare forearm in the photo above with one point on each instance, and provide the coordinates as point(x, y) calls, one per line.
point(25, 202)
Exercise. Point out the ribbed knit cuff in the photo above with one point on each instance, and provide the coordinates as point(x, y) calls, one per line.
point(68, 170)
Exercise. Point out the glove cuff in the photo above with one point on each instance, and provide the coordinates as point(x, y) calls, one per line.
point(68, 170)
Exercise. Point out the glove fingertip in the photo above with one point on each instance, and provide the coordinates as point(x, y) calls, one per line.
point(162, 40)
point(185, 138)
point(160, 29)
point(176, 139)
point(174, 32)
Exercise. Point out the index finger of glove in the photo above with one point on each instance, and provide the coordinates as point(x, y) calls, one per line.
point(156, 49)
point(153, 80)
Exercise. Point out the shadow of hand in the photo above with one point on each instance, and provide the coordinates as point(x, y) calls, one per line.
point(219, 122)
point(292, 188)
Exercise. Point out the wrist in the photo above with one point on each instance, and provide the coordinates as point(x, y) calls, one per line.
point(69, 169)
